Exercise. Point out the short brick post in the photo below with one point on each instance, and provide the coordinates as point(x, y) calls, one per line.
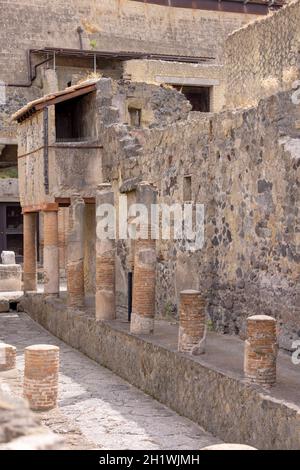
point(8, 356)
point(261, 350)
point(41, 376)
point(192, 326)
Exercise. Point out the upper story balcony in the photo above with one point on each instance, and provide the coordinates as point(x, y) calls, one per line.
point(59, 152)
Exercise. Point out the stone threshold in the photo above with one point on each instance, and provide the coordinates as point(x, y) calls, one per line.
point(208, 389)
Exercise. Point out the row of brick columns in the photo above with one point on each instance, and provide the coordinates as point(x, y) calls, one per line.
point(260, 346)
point(75, 252)
point(143, 308)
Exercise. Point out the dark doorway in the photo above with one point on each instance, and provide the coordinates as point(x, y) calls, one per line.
point(11, 229)
point(199, 97)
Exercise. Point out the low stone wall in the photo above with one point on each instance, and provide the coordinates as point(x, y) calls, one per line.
point(222, 404)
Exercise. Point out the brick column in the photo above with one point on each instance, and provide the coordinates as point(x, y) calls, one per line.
point(261, 350)
point(8, 355)
point(51, 253)
point(192, 327)
point(41, 376)
point(30, 251)
point(75, 261)
point(105, 260)
point(144, 280)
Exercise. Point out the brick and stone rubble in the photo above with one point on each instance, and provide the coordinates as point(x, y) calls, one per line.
point(51, 253)
point(192, 323)
point(261, 350)
point(8, 354)
point(41, 376)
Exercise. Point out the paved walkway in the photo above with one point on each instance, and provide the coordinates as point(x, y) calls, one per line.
point(107, 412)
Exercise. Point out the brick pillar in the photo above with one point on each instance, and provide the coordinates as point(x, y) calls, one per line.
point(8, 355)
point(30, 251)
point(75, 261)
point(41, 376)
point(192, 327)
point(261, 350)
point(144, 280)
point(105, 260)
point(51, 253)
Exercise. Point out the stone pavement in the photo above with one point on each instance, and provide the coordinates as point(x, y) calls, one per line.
point(97, 409)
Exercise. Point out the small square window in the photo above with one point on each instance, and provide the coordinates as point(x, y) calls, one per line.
point(135, 116)
point(187, 188)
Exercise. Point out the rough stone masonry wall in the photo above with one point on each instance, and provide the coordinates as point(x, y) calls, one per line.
point(262, 57)
point(244, 167)
point(112, 24)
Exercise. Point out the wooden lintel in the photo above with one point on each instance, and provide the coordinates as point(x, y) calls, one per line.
point(66, 201)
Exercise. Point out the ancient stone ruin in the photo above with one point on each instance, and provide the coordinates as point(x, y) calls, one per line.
point(158, 204)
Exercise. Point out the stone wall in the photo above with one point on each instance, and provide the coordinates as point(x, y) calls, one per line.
point(244, 168)
point(262, 58)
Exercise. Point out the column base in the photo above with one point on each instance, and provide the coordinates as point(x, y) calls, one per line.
point(188, 344)
point(141, 325)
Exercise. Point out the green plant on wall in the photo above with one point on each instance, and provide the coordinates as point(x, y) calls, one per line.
point(210, 325)
point(93, 43)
